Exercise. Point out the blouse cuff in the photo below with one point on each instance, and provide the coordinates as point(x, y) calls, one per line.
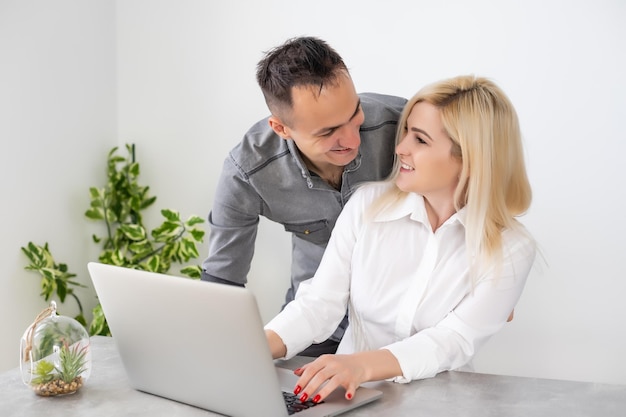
point(417, 359)
point(290, 335)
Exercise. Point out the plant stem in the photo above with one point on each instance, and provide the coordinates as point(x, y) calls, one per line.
point(108, 225)
point(80, 306)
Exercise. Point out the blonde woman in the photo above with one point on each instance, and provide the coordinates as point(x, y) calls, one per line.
point(431, 262)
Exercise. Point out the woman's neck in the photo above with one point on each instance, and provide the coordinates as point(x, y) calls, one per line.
point(439, 210)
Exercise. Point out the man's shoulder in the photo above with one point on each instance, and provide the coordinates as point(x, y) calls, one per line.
point(386, 100)
point(381, 108)
point(259, 145)
point(382, 101)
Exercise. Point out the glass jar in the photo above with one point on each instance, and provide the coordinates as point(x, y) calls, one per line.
point(55, 356)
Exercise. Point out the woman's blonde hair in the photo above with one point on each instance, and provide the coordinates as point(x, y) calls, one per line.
point(493, 184)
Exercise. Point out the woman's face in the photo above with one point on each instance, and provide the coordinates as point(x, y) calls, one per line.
point(427, 166)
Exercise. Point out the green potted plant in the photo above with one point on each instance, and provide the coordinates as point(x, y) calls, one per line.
point(126, 241)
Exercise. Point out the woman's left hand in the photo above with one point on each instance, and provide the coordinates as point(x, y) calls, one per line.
point(347, 371)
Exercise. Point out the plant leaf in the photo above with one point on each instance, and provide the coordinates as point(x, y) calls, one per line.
point(153, 264)
point(133, 231)
point(193, 271)
point(171, 215)
point(193, 220)
point(197, 234)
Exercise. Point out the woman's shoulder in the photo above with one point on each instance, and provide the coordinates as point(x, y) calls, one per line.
point(370, 191)
point(372, 197)
point(519, 239)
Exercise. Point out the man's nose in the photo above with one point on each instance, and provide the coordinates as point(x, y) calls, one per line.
point(350, 137)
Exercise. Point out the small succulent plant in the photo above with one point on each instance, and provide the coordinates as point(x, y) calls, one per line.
point(44, 372)
point(64, 378)
point(72, 362)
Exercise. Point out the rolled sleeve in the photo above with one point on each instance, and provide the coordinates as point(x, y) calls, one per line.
point(406, 353)
point(311, 318)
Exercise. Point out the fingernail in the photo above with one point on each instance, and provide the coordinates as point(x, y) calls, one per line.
point(349, 396)
point(297, 371)
point(304, 397)
point(317, 398)
point(297, 390)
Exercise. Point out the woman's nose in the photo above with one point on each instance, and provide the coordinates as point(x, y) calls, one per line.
point(400, 148)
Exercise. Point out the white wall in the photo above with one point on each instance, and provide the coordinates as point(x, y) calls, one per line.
point(57, 120)
point(186, 94)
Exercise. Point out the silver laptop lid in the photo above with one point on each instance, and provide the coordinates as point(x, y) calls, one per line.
point(200, 343)
point(195, 342)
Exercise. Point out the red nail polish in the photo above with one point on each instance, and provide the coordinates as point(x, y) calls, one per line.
point(297, 371)
point(304, 397)
point(317, 398)
point(297, 390)
point(349, 396)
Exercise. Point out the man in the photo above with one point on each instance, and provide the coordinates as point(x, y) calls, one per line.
point(299, 166)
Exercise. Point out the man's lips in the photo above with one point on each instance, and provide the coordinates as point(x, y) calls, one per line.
point(342, 150)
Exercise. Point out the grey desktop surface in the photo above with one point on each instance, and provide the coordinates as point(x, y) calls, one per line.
point(107, 393)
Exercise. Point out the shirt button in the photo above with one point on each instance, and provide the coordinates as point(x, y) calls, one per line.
point(307, 231)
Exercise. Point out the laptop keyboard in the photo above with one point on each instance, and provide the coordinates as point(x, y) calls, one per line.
point(294, 404)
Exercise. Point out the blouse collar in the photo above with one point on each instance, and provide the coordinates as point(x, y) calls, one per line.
point(413, 206)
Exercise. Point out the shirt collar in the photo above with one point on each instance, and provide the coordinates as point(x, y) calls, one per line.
point(412, 205)
point(295, 152)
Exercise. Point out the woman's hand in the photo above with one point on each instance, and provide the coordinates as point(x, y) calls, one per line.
point(277, 347)
point(328, 372)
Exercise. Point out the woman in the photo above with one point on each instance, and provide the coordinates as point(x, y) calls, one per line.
point(429, 263)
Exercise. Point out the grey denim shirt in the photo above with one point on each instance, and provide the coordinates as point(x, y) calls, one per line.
point(264, 175)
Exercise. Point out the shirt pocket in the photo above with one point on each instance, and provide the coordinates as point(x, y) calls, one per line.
point(317, 232)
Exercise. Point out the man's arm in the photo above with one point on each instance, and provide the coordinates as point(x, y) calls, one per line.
point(233, 223)
point(211, 278)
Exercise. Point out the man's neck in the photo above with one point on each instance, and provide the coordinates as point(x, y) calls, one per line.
point(332, 174)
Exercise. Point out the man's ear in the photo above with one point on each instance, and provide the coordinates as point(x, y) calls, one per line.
point(279, 127)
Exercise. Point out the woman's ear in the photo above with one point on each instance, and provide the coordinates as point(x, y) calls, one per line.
point(279, 127)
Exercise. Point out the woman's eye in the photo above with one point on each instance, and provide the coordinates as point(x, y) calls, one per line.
point(419, 140)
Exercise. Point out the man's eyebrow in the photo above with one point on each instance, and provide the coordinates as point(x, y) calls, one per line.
point(330, 130)
point(356, 111)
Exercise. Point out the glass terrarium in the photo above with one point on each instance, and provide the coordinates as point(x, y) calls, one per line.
point(55, 356)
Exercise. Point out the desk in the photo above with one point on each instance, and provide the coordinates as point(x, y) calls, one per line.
point(107, 393)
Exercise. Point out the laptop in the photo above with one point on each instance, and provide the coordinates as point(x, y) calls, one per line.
point(202, 344)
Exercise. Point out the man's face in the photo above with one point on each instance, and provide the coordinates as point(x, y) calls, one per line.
point(325, 124)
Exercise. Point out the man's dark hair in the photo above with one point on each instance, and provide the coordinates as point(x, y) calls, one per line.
point(302, 61)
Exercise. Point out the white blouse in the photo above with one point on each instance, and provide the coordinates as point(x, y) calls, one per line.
point(407, 289)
